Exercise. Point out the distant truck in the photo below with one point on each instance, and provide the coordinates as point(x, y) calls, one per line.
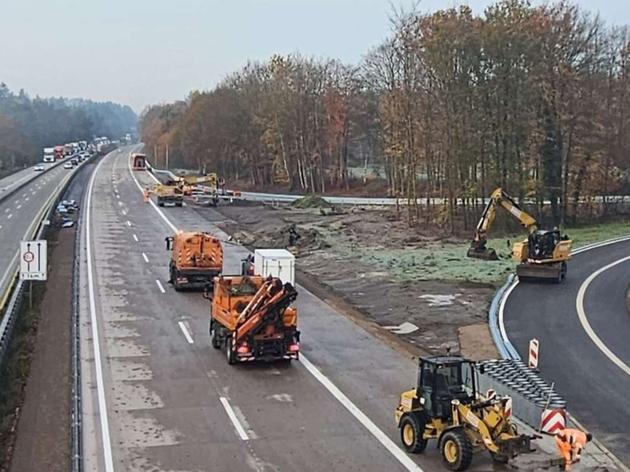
point(49, 154)
point(68, 149)
point(196, 259)
point(169, 194)
point(59, 153)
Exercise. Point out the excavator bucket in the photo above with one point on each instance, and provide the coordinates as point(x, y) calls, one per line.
point(484, 253)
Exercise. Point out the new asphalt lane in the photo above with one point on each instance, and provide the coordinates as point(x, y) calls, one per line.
point(595, 387)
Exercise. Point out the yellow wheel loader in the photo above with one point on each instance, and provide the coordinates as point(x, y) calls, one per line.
point(446, 406)
point(543, 255)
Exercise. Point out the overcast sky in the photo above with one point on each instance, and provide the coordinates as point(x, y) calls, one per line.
point(140, 52)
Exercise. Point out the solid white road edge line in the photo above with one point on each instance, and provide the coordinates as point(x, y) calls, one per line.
point(396, 451)
point(159, 284)
point(155, 207)
point(187, 335)
point(102, 401)
point(237, 424)
point(586, 248)
point(579, 305)
point(146, 259)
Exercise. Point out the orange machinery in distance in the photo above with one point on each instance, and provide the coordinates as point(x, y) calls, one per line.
point(253, 317)
point(138, 161)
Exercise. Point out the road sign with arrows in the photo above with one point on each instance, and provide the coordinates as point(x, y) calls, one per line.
point(33, 260)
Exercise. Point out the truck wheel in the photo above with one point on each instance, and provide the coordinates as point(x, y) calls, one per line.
point(214, 337)
point(411, 431)
point(231, 356)
point(457, 450)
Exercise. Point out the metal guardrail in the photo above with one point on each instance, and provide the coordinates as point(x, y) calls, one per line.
point(76, 425)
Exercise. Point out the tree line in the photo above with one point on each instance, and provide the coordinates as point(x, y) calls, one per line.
point(452, 104)
point(27, 125)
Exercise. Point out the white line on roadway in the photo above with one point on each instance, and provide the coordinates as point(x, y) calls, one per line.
point(144, 256)
point(18, 207)
point(579, 305)
point(9, 216)
point(159, 284)
point(128, 223)
point(237, 424)
point(102, 401)
point(396, 451)
point(26, 199)
point(135, 238)
point(124, 212)
point(7, 210)
point(187, 335)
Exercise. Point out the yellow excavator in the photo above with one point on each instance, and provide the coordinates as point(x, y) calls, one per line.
point(447, 407)
point(543, 255)
point(210, 186)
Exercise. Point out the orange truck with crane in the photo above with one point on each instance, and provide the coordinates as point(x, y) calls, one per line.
point(252, 316)
point(196, 259)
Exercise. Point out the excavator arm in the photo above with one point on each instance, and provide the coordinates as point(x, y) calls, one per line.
point(499, 198)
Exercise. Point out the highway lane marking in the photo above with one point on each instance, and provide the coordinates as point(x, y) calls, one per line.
point(579, 305)
point(7, 210)
point(237, 424)
point(124, 212)
point(367, 423)
point(144, 256)
point(396, 451)
point(187, 335)
point(26, 199)
point(129, 223)
point(159, 284)
point(135, 237)
point(102, 400)
point(9, 216)
point(120, 203)
point(18, 207)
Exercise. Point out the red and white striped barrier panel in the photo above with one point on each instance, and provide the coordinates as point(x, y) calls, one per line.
point(553, 421)
point(533, 354)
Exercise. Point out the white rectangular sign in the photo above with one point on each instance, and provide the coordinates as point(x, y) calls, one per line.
point(33, 260)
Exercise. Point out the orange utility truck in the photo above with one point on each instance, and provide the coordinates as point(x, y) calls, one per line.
point(252, 317)
point(196, 259)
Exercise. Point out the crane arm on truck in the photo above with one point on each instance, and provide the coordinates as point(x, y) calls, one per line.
point(268, 305)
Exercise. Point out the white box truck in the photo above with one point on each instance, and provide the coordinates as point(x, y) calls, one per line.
point(278, 263)
point(49, 154)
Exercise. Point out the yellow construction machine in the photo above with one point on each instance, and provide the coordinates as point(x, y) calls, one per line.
point(543, 255)
point(206, 185)
point(446, 406)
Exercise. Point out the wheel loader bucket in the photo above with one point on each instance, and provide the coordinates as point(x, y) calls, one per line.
point(486, 254)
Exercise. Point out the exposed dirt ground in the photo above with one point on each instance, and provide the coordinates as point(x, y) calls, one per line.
point(432, 315)
point(43, 432)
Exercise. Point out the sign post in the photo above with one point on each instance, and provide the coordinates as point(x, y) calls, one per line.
point(34, 260)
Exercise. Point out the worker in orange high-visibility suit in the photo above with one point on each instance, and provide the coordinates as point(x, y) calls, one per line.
point(570, 443)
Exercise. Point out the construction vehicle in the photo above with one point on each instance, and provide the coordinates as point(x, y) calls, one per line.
point(138, 161)
point(196, 259)
point(446, 406)
point(252, 317)
point(169, 193)
point(543, 255)
point(206, 184)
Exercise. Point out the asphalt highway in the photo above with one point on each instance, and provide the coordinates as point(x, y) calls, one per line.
point(158, 397)
point(17, 213)
point(583, 327)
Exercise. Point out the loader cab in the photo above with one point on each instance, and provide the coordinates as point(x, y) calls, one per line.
point(441, 380)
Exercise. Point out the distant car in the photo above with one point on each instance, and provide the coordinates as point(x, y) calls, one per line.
point(75, 161)
point(38, 168)
point(61, 209)
point(69, 202)
point(68, 165)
